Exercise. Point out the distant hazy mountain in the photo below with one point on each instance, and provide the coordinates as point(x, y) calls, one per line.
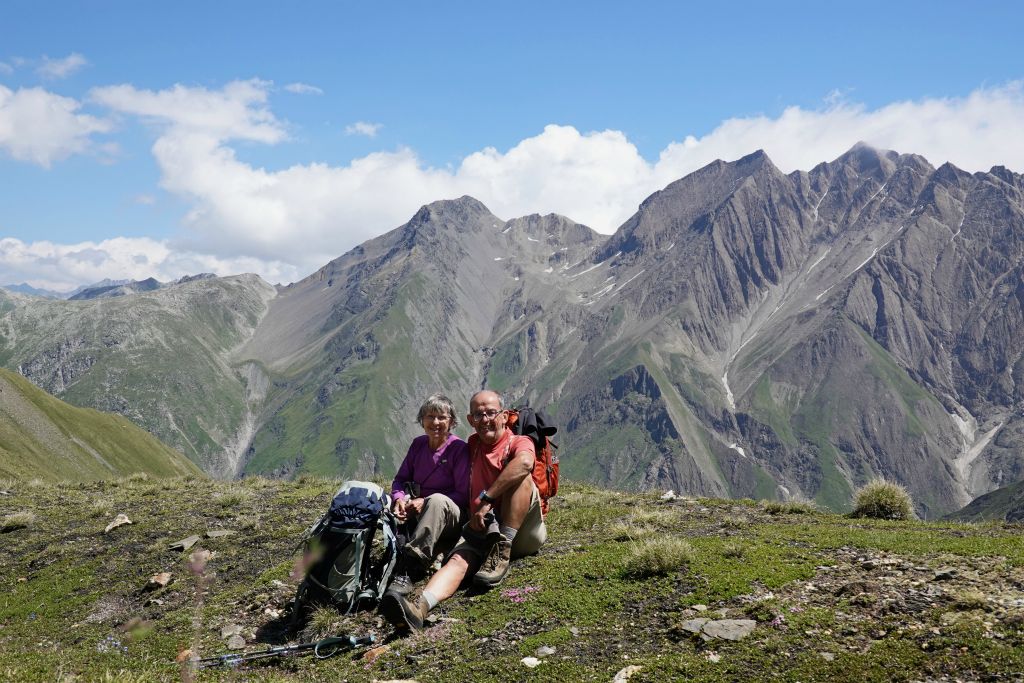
point(25, 288)
point(746, 333)
point(45, 438)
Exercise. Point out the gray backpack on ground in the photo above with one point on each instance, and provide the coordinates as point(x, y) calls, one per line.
point(348, 564)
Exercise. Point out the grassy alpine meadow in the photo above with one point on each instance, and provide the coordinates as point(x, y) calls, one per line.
point(632, 584)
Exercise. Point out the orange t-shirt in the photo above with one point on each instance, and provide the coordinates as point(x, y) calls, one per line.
point(486, 463)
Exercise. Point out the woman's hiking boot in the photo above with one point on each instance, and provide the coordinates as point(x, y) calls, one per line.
point(401, 611)
point(495, 565)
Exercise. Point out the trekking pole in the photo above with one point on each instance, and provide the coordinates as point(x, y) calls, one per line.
point(322, 649)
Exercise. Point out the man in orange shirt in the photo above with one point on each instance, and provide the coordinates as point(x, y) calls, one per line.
point(505, 515)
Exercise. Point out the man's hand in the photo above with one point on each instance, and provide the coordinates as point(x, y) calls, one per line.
point(476, 522)
point(415, 506)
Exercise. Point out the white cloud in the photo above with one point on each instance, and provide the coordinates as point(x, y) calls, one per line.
point(303, 89)
point(237, 112)
point(40, 127)
point(62, 267)
point(363, 128)
point(61, 68)
point(6, 68)
point(145, 199)
point(285, 223)
point(976, 132)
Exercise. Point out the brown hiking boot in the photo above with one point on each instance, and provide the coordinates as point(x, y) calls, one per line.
point(401, 611)
point(401, 584)
point(495, 565)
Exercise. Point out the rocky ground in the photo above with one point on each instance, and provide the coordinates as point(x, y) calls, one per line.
point(634, 587)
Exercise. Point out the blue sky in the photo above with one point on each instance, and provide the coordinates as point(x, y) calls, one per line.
point(144, 139)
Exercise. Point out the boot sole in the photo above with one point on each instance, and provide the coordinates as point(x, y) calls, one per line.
point(393, 610)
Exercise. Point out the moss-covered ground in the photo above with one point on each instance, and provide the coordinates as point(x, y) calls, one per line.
point(833, 598)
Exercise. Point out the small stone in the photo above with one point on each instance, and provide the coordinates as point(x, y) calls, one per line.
point(184, 656)
point(945, 574)
point(700, 608)
point(373, 653)
point(184, 544)
point(158, 581)
point(236, 642)
point(120, 520)
point(575, 631)
point(713, 657)
point(22, 579)
point(730, 629)
point(827, 656)
point(219, 533)
point(153, 601)
point(531, 662)
point(230, 630)
point(272, 613)
point(623, 675)
point(669, 495)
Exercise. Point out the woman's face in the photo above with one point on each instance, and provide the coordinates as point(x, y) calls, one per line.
point(436, 426)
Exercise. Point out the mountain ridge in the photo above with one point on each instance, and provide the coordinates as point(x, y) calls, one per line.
point(745, 333)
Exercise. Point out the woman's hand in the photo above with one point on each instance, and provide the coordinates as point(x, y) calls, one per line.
point(399, 508)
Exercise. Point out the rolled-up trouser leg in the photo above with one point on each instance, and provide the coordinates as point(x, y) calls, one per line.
point(533, 533)
point(437, 529)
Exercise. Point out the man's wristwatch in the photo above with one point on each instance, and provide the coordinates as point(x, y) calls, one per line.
point(485, 498)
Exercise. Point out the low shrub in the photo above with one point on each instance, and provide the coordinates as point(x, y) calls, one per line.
point(880, 499)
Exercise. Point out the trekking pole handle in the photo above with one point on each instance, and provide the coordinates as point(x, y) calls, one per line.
point(328, 647)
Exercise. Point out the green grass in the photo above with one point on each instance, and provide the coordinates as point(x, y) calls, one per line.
point(54, 440)
point(72, 601)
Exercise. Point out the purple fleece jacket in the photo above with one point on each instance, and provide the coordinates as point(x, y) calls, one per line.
point(445, 470)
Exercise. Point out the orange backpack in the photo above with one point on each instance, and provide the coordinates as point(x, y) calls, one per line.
point(526, 421)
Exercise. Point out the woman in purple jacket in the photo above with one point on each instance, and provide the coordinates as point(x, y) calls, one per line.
point(431, 492)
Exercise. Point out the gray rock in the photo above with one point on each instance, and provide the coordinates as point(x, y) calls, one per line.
point(236, 642)
point(693, 625)
point(729, 629)
point(184, 544)
point(946, 573)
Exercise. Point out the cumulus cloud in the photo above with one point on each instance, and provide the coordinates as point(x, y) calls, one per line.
point(303, 89)
point(60, 68)
point(284, 223)
point(974, 133)
point(41, 127)
point(363, 128)
point(62, 267)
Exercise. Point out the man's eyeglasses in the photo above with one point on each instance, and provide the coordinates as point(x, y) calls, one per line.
point(486, 414)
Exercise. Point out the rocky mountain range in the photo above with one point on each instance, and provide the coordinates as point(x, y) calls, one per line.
point(747, 333)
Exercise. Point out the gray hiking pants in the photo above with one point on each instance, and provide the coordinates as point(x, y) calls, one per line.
point(436, 531)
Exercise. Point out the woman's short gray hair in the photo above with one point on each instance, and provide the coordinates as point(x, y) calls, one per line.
point(438, 403)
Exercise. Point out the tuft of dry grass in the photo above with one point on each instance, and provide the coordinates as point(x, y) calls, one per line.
point(881, 499)
point(17, 520)
point(658, 556)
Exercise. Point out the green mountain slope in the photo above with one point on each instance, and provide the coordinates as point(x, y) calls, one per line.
point(162, 359)
point(1005, 503)
point(42, 437)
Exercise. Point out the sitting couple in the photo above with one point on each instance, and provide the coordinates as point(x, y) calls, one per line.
point(476, 502)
